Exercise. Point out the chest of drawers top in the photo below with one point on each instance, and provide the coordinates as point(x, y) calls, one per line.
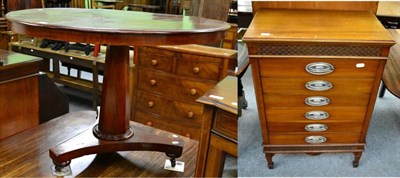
point(316, 26)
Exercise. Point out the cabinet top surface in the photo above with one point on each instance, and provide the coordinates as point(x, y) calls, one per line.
point(329, 26)
point(11, 59)
point(112, 21)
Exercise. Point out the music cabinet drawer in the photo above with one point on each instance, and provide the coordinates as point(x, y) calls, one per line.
point(331, 114)
point(314, 127)
point(199, 66)
point(317, 85)
point(168, 125)
point(292, 139)
point(175, 87)
point(225, 123)
point(346, 68)
point(156, 59)
point(300, 100)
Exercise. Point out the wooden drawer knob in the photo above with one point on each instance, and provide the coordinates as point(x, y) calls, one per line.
point(190, 114)
point(193, 92)
point(187, 135)
point(153, 82)
point(150, 104)
point(149, 123)
point(154, 62)
point(196, 70)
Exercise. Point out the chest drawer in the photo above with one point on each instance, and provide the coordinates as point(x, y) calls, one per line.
point(199, 66)
point(299, 100)
point(172, 86)
point(153, 104)
point(191, 113)
point(156, 59)
point(332, 114)
point(346, 68)
point(226, 124)
point(291, 139)
point(317, 85)
point(324, 126)
point(170, 126)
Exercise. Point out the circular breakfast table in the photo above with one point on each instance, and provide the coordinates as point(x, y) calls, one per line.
point(119, 30)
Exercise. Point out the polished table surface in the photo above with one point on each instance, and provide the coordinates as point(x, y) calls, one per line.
point(118, 29)
point(26, 154)
point(391, 74)
point(102, 26)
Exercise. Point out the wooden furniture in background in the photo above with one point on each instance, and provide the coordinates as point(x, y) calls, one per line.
point(371, 6)
point(389, 14)
point(52, 101)
point(19, 92)
point(105, 4)
point(78, 3)
point(3, 21)
point(389, 8)
point(316, 81)
point(113, 129)
point(26, 154)
point(144, 8)
point(13, 5)
point(170, 79)
point(391, 74)
point(221, 111)
point(230, 40)
point(6, 38)
point(78, 59)
point(211, 9)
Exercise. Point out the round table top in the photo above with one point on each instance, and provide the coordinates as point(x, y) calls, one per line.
point(115, 27)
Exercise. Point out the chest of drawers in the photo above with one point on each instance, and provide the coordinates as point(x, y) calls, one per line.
point(170, 79)
point(316, 74)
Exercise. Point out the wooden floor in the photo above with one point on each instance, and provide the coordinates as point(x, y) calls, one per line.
point(26, 154)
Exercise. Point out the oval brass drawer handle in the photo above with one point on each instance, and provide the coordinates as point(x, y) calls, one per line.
point(319, 85)
point(316, 127)
point(196, 70)
point(317, 101)
point(316, 115)
point(319, 68)
point(315, 139)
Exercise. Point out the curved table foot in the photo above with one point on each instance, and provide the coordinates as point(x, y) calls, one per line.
point(86, 143)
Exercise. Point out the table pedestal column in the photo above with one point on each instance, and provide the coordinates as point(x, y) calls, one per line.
point(113, 131)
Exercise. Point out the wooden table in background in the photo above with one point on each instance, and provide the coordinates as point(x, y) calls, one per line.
point(26, 154)
point(19, 93)
point(221, 108)
point(391, 74)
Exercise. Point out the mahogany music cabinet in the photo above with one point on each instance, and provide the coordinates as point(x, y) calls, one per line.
point(316, 75)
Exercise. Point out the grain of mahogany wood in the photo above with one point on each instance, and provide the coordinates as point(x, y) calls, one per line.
point(391, 74)
point(327, 5)
point(26, 154)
